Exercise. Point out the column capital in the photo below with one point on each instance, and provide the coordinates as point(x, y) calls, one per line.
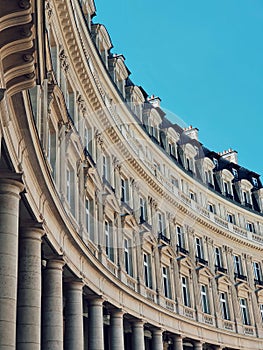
point(95, 300)
point(8, 178)
point(138, 323)
point(55, 263)
point(31, 230)
point(74, 283)
point(116, 312)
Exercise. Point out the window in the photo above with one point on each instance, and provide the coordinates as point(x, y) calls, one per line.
point(166, 282)
point(189, 164)
point(109, 241)
point(211, 207)
point(244, 311)
point(224, 305)
point(227, 188)
point(89, 217)
point(255, 181)
point(128, 257)
point(143, 209)
point(208, 177)
point(250, 227)
point(230, 218)
point(257, 271)
point(147, 270)
point(218, 257)
point(180, 237)
point(172, 149)
point(237, 265)
point(204, 298)
point(192, 195)
point(124, 190)
point(51, 148)
point(185, 291)
point(161, 226)
point(88, 140)
point(105, 167)
point(199, 248)
point(246, 197)
point(261, 311)
point(215, 161)
point(235, 173)
point(70, 188)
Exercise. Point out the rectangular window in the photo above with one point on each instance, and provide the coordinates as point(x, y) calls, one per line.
point(124, 190)
point(211, 207)
point(88, 140)
point(244, 311)
point(205, 300)
point(230, 218)
point(143, 210)
point(147, 270)
point(224, 306)
point(105, 167)
point(128, 257)
point(161, 226)
point(185, 291)
point(166, 282)
point(218, 257)
point(250, 227)
point(257, 271)
point(109, 240)
point(70, 189)
point(180, 237)
point(237, 265)
point(89, 218)
point(261, 311)
point(199, 247)
point(52, 149)
point(192, 195)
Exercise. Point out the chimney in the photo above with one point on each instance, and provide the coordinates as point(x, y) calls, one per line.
point(191, 132)
point(229, 155)
point(154, 100)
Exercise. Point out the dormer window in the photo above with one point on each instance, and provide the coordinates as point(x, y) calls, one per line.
point(215, 161)
point(255, 181)
point(235, 173)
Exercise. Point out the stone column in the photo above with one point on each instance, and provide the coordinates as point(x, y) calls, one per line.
point(10, 187)
point(157, 339)
point(138, 335)
point(96, 335)
point(74, 336)
point(29, 289)
point(198, 345)
point(117, 332)
point(177, 342)
point(52, 315)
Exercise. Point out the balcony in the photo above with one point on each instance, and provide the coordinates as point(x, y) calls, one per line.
point(163, 238)
point(241, 277)
point(258, 282)
point(201, 261)
point(220, 269)
point(182, 250)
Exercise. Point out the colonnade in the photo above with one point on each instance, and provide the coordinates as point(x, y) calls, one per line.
point(41, 307)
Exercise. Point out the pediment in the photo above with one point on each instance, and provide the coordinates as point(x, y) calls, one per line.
point(221, 279)
point(186, 262)
point(92, 172)
point(148, 237)
point(128, 220)
point(108, 199)
point(167, 250)
point(205, 272)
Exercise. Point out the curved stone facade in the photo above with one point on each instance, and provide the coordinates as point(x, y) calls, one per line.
point(118, 229)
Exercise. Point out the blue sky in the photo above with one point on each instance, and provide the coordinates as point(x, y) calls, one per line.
point(203, 58)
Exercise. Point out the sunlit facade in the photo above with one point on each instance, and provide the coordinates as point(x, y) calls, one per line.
point(118, 229)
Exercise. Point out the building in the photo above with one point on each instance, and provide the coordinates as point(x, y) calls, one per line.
point(118, 229)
